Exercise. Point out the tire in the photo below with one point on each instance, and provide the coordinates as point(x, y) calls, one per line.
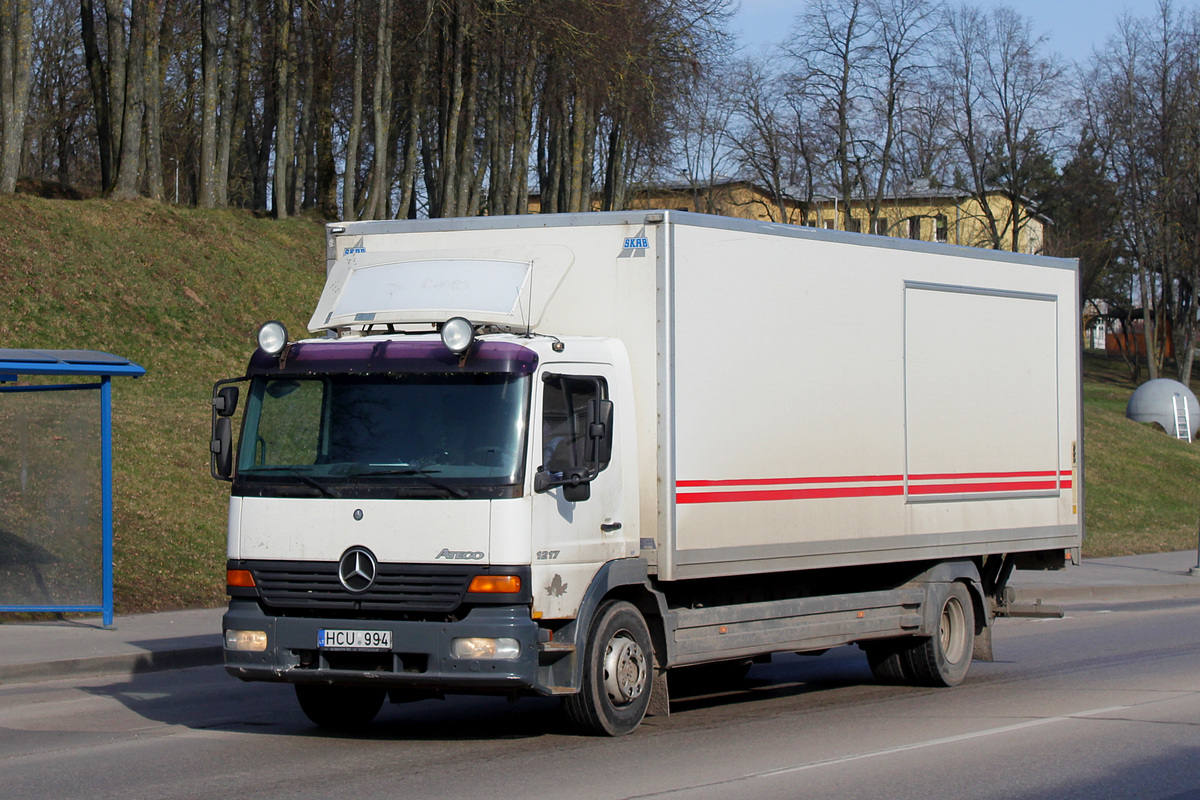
point(944, 658)
point(339, 708)
point(618, 670)
point(888, 660)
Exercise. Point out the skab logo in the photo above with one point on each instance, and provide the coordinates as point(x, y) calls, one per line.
point(357, 247)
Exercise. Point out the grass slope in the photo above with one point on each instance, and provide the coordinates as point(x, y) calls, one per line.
point(182, 291)
point(1140, 484)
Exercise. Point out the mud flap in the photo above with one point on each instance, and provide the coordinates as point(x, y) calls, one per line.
point(983, 645)
point(660, 701)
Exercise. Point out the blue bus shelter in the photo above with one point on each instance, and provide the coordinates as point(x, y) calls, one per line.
point(53, 539)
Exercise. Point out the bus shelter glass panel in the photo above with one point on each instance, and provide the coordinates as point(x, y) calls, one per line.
point(51, 501)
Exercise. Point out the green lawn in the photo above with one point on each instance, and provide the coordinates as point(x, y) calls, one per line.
point(1142, 487)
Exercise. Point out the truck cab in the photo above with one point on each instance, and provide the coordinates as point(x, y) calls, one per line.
point(461, 501)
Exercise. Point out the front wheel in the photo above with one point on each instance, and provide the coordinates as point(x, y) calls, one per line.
point(617, 673)
point(339, 708)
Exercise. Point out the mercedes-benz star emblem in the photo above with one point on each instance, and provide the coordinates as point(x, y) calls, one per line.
point(356, 570)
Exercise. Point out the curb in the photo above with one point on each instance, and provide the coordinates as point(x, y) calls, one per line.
point(127, 665)
point(1080, 595)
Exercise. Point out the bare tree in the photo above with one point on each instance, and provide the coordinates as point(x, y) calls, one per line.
point(703, 128)
point(832, 49)
point(901, 30)
point(1144, 100)
point(761, 134)
point(1007, 112)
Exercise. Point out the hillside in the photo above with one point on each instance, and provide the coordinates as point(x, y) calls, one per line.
point(1141, 485)
point(182, 291)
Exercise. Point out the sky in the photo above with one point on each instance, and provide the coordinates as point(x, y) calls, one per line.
point(1073, 27)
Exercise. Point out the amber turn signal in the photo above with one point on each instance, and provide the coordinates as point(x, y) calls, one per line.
point(495, 584)
point(239, 577)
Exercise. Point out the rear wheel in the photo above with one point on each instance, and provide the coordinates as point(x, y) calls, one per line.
point(887, 660)
point(943, 659)
point(339, 708)
point(617, 673)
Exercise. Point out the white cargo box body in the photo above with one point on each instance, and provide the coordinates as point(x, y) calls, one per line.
point(804, 398)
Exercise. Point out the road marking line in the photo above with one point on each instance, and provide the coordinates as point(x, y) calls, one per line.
point(962, 737)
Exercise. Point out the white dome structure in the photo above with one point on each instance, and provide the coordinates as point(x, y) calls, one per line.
point(1169, 404)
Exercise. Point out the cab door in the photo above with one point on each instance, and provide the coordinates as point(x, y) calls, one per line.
point(572, 538)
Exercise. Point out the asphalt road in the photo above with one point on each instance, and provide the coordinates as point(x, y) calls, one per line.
point(1102, 704)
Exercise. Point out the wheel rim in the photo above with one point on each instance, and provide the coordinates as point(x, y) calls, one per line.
point(953, 632)
point(625, 671)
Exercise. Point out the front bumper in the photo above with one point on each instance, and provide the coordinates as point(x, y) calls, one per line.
point(420, 658)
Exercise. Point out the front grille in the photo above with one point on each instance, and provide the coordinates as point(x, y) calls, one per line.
point(397, 587)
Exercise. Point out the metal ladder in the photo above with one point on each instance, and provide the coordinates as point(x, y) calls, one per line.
point(1183, 419)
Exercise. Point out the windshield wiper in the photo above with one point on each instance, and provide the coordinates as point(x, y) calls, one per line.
point(414, 472)
point(295, 472)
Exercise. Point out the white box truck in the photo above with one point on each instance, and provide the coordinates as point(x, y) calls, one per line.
point(569, 454)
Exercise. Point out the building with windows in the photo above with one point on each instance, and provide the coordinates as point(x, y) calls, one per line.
point(925, 213)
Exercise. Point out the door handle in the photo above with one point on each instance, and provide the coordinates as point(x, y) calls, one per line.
point(609, 527)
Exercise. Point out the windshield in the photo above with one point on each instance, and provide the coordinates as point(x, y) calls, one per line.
point(432, 434)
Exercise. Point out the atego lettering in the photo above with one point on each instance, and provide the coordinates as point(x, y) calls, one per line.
point(460, 555)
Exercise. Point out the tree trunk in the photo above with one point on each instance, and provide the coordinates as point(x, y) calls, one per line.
point(284, 129)
point(229, 102)
point(209, 98)
point(306, 184)
point(517, 201)
point(301, 90)
point(16, 40)
point(323, 69)
point(155, 66)
point(350, 175)
point(408, 170)
point(118, 55)
point(128, 170)
point(381, 111)
point(449, 141)
point(99, 82)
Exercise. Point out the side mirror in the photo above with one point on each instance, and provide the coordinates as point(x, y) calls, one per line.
point(577, 486)
point(222, 448)
point(225, 401)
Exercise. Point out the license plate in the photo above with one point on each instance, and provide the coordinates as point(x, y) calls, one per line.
point(332, 639)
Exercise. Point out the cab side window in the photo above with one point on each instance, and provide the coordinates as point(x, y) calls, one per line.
point(565, 404)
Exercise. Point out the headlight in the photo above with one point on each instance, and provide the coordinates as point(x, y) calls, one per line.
point(272, 337)
point(252, 641)
point(481, 648)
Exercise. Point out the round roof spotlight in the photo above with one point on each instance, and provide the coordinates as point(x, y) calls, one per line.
point(457, 335)
point(272, 337)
